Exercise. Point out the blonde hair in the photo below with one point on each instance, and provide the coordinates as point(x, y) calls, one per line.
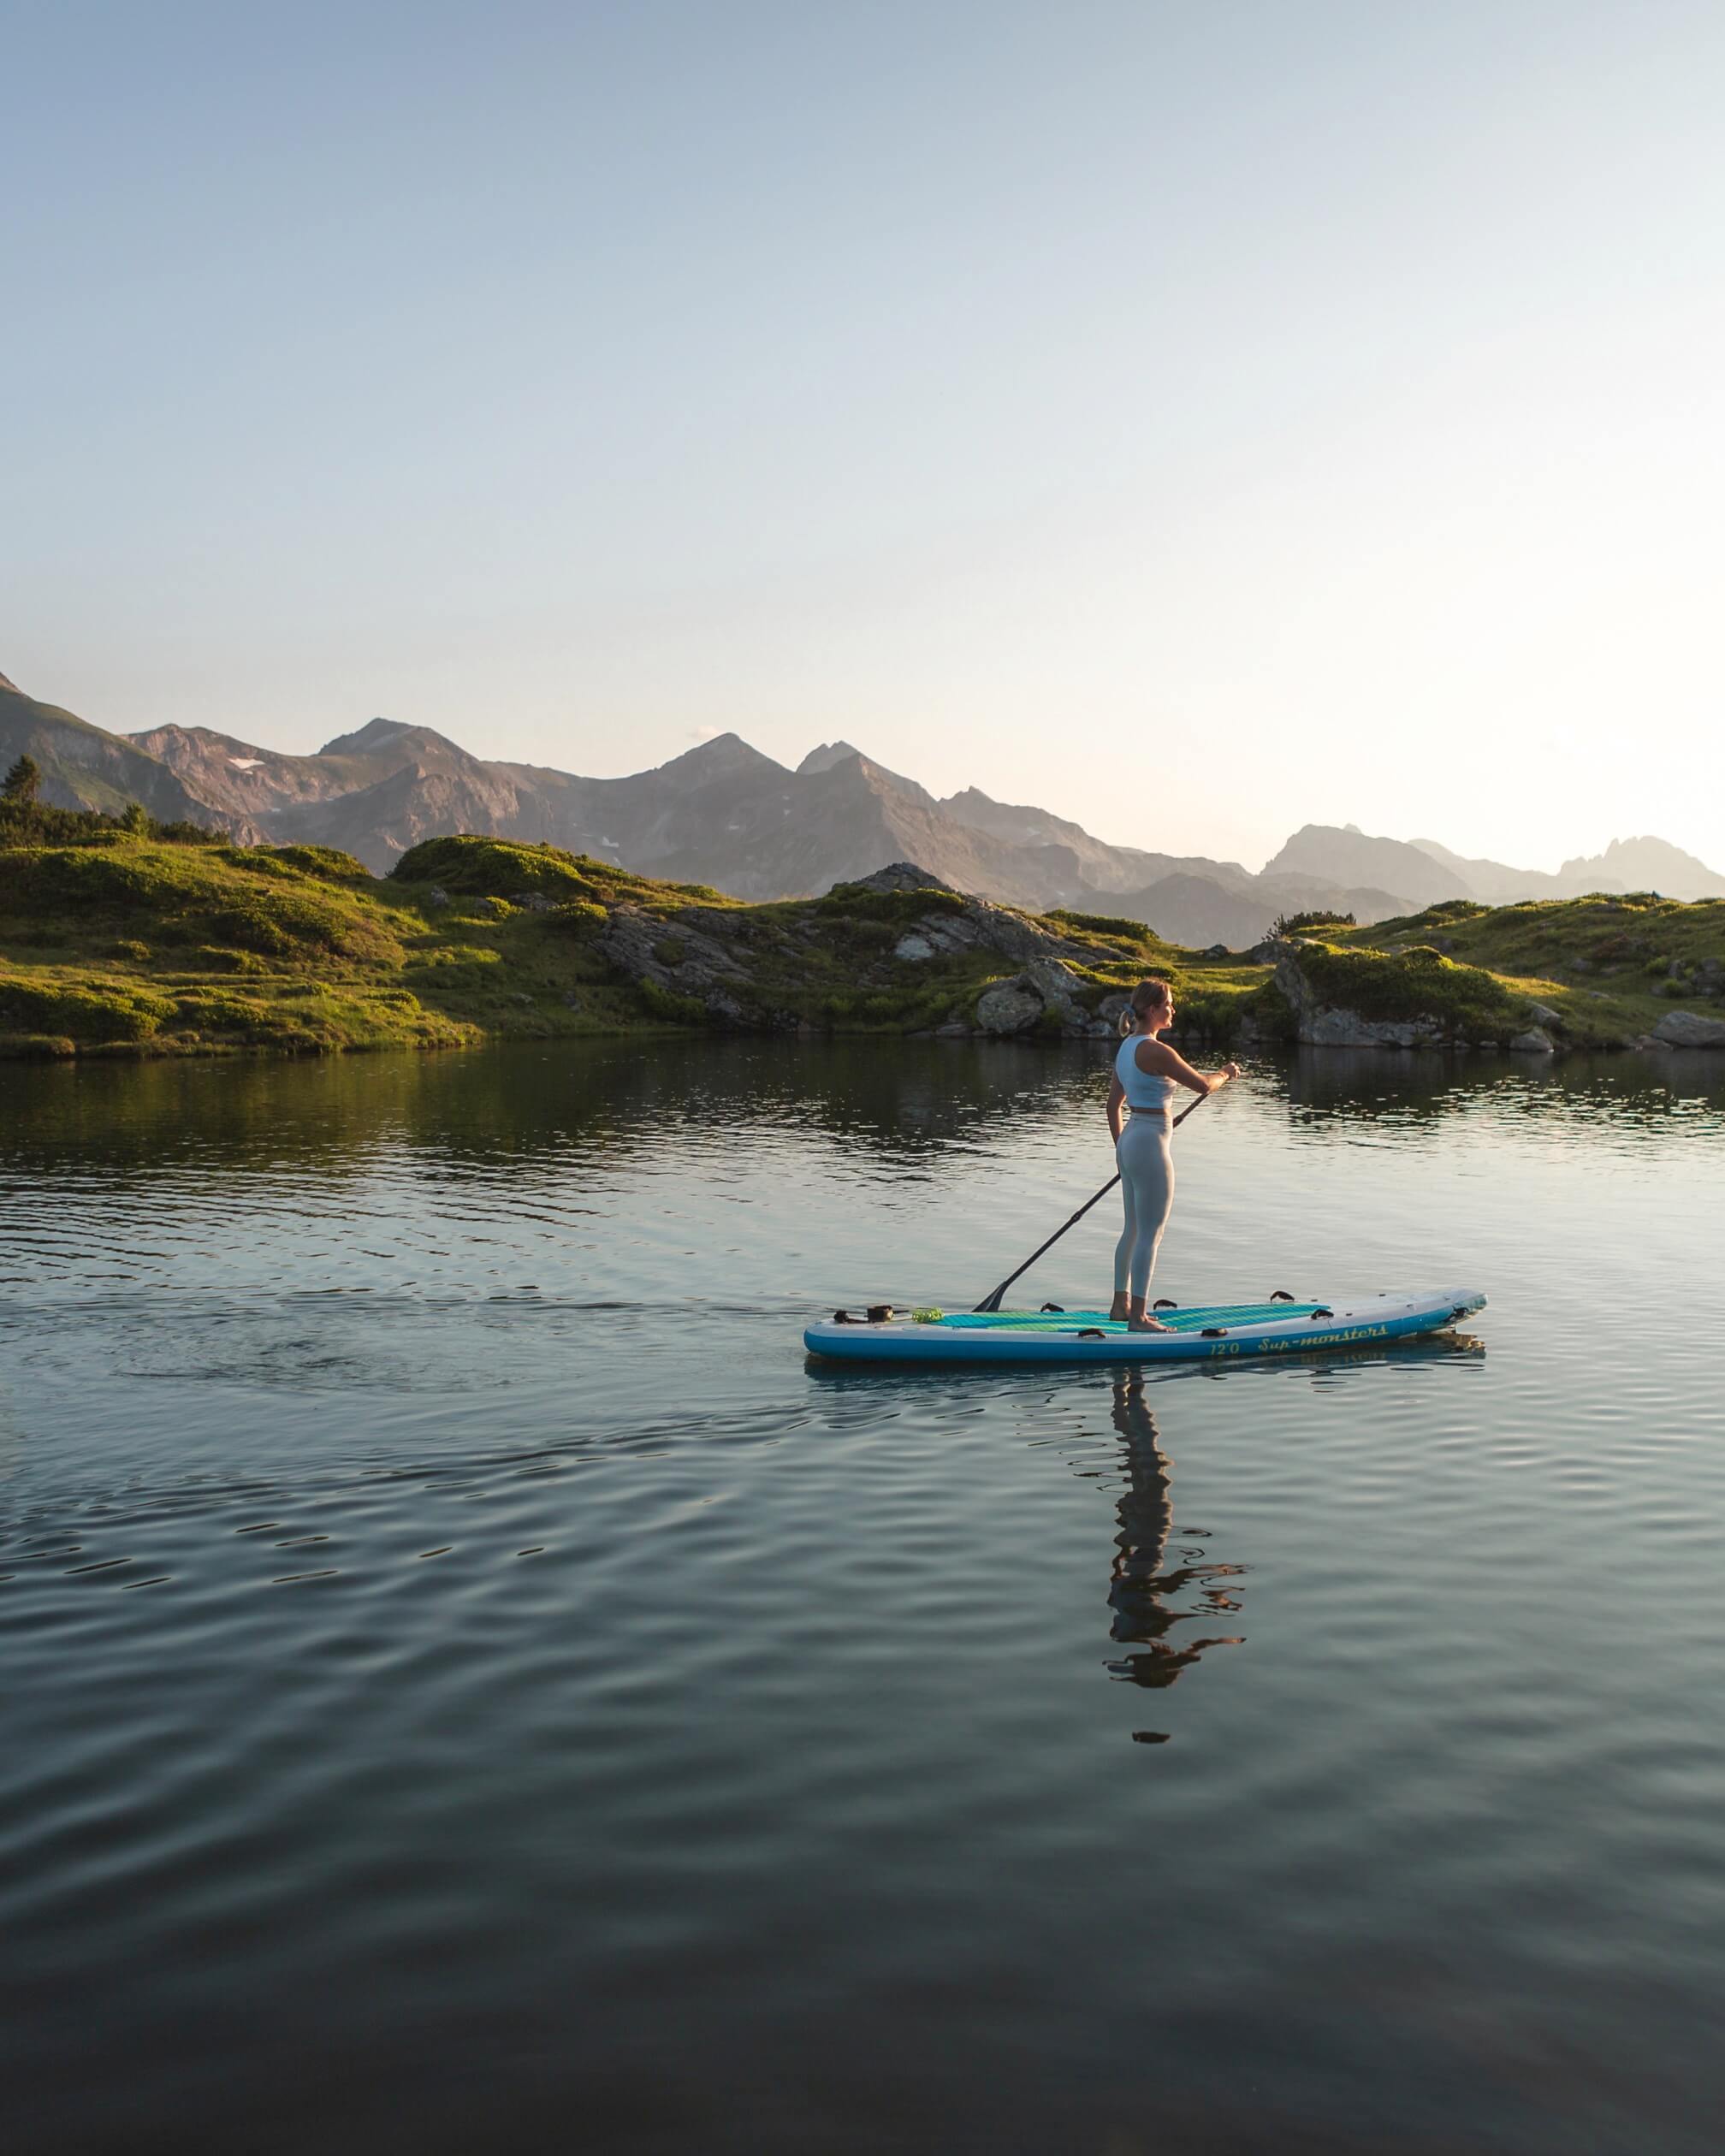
point(1145, 998)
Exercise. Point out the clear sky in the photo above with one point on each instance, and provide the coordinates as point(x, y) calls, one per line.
point(1198, 419)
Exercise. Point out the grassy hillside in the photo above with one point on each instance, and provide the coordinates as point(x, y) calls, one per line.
point(136, 947)
point(1609, 966)
point(129, 945)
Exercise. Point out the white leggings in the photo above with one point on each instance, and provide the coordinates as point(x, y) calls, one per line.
point(1147, 1184)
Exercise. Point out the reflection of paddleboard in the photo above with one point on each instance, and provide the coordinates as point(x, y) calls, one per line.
point(1225, 1331)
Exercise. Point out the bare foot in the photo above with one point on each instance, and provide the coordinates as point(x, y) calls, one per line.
point(1146, 1325)
point(1117, 1311)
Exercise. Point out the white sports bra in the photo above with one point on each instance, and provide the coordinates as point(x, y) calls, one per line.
point(1147, 1094)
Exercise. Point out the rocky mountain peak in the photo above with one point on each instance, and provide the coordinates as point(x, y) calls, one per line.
point(1343, 854)
point(847, 768)
point(823, 758)
point(376, 733)
point(726, 755)
point(11, 686)
point(724, 813)
point(382, 736)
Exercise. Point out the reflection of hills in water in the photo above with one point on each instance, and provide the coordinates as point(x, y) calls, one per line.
point(904, 1103)
point(1414, 1089)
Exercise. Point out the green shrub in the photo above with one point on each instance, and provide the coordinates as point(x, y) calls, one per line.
point(669, 951)
point(1410, 984)
point(278, 923)
point(1301, 924)
point(1453, 910)
point(214, 1010)
point(492, 868)
point(36, 1047)
point(664, 1003)
point(31, 822)
point(94, 1011)
point(129, 948)
point(328, 863)
point(895, 906)
point(1271, 1011)
point(1101, 924)
point(579, 914)
point(216, 958)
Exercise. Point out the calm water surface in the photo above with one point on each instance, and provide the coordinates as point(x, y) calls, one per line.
point(470, 1683)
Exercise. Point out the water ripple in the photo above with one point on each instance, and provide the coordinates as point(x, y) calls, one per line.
point(470, 1680)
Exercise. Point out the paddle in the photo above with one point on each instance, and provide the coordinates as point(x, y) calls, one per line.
point(992, 1302)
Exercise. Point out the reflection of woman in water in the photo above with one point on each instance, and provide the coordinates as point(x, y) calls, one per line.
point(1138, 1588)
point(1146, 1073)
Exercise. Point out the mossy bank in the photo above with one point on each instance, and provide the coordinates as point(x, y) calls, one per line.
point(1610, 970)
point(128, 944)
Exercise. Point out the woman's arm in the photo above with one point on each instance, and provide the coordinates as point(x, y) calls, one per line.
point(1117, 1101)
point(1161, 1061)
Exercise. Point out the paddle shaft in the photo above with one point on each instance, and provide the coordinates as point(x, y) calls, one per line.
point(992, 1302)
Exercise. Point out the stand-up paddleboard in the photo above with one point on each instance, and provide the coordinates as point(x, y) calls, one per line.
point(1224, 1331)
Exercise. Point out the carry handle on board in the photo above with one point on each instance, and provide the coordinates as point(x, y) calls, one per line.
point(992, 1302)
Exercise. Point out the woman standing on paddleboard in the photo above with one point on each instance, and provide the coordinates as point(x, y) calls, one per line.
point(1147, 1072)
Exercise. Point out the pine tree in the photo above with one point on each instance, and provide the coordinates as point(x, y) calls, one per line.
point(22, 783)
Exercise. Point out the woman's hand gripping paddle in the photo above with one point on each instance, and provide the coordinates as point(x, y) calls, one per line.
point(992, 1302)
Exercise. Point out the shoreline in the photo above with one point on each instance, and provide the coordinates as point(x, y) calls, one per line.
point(130, 948)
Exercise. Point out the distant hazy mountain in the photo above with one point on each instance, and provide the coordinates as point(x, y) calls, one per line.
point(1104, 867)
point(724, 813)
point(1626, 864)
point(1496, 883)
point(1190, 908)
point(1644, 864)
point(1347, 855)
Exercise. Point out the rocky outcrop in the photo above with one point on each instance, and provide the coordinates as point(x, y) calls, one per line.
point(679, 958)
point(973, 924)
point(901, 875)
point(1043, 999)
point(1009, 1007)
point(746, 971)
point(1347, 1029)
point(1320, 1024)
point(1690, 1029)
point(1404, 998)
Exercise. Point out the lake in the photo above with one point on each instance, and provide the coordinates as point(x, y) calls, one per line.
point(471, 1683)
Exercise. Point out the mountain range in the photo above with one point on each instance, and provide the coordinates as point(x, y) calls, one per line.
point(725, 814)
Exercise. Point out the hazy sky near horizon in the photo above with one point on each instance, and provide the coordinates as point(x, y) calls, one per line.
point(1198, 421)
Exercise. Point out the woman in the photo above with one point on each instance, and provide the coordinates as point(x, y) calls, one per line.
point(1146, 1071)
